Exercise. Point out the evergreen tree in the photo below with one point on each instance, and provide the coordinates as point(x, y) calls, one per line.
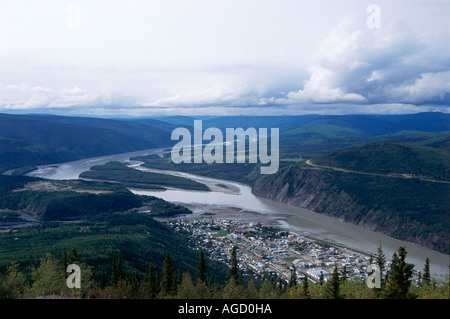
point(150, 284)
point(251, 292)
point(115, 277)
point(12, 282)
point(234, 270)
point(120, 273)
point(187, 288)
point(213, 287)
point(103, 280)
point(400, 276)
point(305, 287)
point(426, 273)
point(232, 290)
point(179, 274)
point(344, 274)
point(267, 291)
point(75, 258)
point(201, 290)
point(293, 279)
point(333, 286)
point(47, 279)
point(201, 268)
point(281, 288)
point(381, 260)
point(64, 262)
point(135, 285)
point(321, 279)
point(168, 279)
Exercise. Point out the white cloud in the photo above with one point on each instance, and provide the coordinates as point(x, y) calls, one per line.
point(356, 64)
point(428, 87)
point(224, 56)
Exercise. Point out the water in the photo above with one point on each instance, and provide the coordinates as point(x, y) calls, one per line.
point(240, 196)
point(72, 170)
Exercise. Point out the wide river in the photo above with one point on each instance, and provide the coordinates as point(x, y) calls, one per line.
point(240, 196)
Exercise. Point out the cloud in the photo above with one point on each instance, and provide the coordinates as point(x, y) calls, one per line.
point(23, 97)
point(429, 87)
point(357, 64)
point(226, 57)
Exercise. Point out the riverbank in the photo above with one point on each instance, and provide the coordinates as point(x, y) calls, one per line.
point(232, 194)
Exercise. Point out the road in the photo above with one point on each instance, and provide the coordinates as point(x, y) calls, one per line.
point(394, 175)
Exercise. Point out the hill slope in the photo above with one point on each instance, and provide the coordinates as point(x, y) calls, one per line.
point(388, 158)
point(409, 209)
point(34, 140)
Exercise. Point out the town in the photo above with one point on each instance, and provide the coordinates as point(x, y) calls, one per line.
point(264, 250)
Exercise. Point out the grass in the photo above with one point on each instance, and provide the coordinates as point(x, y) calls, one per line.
point(221, 233)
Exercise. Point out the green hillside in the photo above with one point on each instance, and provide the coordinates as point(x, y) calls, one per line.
point(76, 199)
point(386, 158)
point(139, 238)
point(30, 140)
point(98, 226)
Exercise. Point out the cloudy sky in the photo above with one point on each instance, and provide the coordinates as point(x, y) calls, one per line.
point(218, 57)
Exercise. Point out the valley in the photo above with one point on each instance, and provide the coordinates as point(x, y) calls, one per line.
point(316, 192)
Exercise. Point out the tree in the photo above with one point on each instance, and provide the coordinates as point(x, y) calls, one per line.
point(12, 283)
point(75, 258)
point(187, 288)
point(400, 276)
point(233, 290)
point(381, 259)
point(267, 291)
point(150, 285)
point(251, 292)
point(64, 262)
point(426, 279)
point(119, 266)
point(332, 289)
point(344, 274)
point(321, 279)
point(234, 270)
point(47, 279)
point(201, 290)
point(305, 287)
point(201, 267)
point(103, 280)
point(115, 277)
point(168, 280)
point(293, 279)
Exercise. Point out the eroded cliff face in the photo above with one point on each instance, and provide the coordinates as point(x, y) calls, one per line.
point(308, 188)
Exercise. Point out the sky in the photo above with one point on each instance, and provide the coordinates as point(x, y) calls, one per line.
point(224, 57)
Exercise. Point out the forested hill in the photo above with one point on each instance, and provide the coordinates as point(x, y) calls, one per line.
point(391, 158)
point(40, 139)
point(412, 209)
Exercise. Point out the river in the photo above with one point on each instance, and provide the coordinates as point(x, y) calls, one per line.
point(240, 196)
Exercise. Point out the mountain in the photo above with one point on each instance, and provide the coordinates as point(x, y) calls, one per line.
point(361, 125)
point(43, 139)
point(309, 135)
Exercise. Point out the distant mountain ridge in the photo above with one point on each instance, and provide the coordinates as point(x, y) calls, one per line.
point(370, 124)
point(305, 136)
point(44, 139)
